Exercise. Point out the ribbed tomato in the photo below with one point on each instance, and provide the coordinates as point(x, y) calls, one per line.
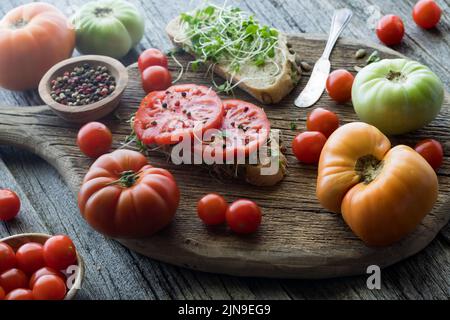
point(383, 193)
point(122, 196)
point(33, 38)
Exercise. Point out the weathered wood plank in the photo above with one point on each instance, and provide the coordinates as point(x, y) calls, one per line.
point(294, 19)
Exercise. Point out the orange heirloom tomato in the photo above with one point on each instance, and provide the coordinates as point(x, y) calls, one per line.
point(122, 196)
point(33, 38)
point(383, 193)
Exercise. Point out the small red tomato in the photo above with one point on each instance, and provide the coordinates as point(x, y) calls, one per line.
point(390, 30)
point(9, 205)
point(152, 57)
point(432, 151)
point(322, 120)
point(212, 208)
point(94, 139)
point(307, 146)
point(49, 287)
point(59, 252)
point(13, 279)
point(339, 85)
point(426, 14)
point(7, 257)
point(156, 78)
point(2, 294)
point(30, 257)
point(243, 216)
point(46, 271)
point(20, 294)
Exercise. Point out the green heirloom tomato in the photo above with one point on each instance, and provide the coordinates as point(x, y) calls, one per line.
point(397, 95)
point(108, 27)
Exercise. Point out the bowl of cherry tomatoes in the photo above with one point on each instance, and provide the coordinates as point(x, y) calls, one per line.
point(36, 266)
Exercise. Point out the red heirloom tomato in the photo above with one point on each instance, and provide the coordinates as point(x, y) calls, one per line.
point(9, 205)
point(122, 196)
point(33, 38)
point(166, 117)
point(2, 294)
point(322, 120)
point(30, 257)
point(243, 216)
point(390, 30)
point(46, 271)
point(339, 85)
point(20, 294)
point(59, 252)
point(49, 287)
point(426, 14)
point(156, 78)
point(432, 151)
point(94, 139)
point(212, 208)
point(152, 57)
point(244, 129)
point(308, 145)
point(13, 279)
point(7, 257)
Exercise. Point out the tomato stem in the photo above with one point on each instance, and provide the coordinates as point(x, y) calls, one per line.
point(19, 23)
point(395, 76)
point(127, 179)
point(368, 168)
point(102, 12)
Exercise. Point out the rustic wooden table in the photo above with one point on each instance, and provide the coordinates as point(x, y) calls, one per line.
point(114, 272)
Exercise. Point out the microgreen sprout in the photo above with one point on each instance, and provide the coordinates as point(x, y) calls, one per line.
point(230, 37)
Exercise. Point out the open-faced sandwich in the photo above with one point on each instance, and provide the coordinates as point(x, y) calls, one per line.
point(195, 126)
point(235, 46)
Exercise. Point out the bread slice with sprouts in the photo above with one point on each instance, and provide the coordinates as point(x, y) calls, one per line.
point(239, 49)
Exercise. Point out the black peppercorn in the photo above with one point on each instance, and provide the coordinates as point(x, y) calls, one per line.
point(83, 85)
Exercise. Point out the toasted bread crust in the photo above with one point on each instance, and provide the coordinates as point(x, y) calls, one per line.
point(284, 83)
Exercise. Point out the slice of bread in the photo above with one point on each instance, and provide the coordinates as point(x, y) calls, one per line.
point(262, 82)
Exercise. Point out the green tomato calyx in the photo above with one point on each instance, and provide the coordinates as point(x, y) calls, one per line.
point(102, 12)
point(368, 168)
point(395, 76)
point(127, 179)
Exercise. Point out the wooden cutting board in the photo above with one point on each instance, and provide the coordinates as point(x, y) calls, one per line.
point(298, 238)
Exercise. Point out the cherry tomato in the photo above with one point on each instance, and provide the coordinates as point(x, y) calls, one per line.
point(59, 252)
point(156, 78)
point(151, 57)
point(49, 287)
point(30, 257)
point(307, 146)
point(13, 279)
point(20, 294)
point(94, 139)
point(212, 208)
point(322, 120)
point(390, 30)
point(432, 151)
point(339, 85)
point(7, 257)
point(46, 271)
point(2, 294)
point(243, 216)
point(9, 205)
point(426, 14)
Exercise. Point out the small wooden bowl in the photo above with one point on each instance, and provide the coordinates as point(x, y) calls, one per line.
point(89, 112)
point(19, 239)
